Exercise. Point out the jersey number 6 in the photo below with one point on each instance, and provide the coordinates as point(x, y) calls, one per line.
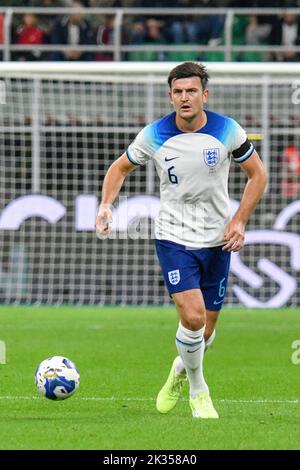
point(172, 178)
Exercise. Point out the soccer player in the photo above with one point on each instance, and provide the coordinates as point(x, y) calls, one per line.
point(195, 234)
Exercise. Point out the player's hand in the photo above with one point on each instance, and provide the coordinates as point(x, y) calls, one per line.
point(234, 236)
point(103, 221)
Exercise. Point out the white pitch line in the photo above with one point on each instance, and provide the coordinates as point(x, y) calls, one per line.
point(296, 401)
point(229, 401)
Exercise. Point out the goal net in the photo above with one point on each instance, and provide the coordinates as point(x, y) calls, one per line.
point(62, 125)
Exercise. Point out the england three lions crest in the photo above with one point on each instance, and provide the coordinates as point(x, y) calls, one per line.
point(211, 156)
point(174, 277)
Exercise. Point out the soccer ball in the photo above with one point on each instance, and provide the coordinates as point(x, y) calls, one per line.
point(57, 378)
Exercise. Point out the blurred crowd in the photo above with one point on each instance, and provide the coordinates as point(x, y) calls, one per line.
point(87, 29)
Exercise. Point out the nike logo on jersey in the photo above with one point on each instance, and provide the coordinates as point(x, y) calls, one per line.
point(216, 302)
point(170, 159)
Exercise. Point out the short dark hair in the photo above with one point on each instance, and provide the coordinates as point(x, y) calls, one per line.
point(189, 69)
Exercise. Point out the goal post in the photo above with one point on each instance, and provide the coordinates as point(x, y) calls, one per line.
point(63, 124)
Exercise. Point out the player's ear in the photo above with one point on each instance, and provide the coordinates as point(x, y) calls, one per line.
point(170, 96)
point(205, 96)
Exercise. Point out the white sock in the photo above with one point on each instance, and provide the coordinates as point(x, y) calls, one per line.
point(179, 366)
point(190, 345)
point(209, 341)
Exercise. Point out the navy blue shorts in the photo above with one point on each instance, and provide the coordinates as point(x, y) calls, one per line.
point(186, 268)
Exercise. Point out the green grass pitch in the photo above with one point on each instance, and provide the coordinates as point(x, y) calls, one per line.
point(124, 355)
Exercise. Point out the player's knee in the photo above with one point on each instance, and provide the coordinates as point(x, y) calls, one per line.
point(195, 321)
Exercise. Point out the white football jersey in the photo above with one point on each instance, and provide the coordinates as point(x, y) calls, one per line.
point(193, 169)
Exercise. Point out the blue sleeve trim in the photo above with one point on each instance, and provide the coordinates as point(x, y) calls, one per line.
point(131, 159)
